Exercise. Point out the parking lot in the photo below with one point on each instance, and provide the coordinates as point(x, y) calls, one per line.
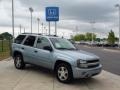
point(36, 78)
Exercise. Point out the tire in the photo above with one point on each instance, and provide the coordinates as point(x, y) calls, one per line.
point(18, 62)
point(64, 73)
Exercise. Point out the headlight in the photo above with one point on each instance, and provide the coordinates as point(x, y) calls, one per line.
point(82, 64)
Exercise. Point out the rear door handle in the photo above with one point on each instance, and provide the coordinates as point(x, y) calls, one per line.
point(35, 51)
point(22, 48)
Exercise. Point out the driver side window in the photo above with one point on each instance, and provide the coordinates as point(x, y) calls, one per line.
point(42, 42)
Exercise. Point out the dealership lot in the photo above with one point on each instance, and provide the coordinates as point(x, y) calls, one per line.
point(36, 78)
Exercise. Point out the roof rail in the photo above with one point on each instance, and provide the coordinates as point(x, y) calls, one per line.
point(32, 33)
point(52, 35)
point(40, 34)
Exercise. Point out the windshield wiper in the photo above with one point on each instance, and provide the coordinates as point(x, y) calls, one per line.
point(61, 48)
point(71, 49)
point(67, 48)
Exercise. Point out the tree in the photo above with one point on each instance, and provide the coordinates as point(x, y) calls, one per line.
point(82, 37)
point(111, 38)
point(6, 36)
point(79, 37)
point(76, 38)
point(98, 39)
point(89, 36)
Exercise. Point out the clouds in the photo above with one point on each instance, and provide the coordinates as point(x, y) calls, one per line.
point(72, 13)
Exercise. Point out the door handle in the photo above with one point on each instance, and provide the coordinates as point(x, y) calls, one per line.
point(22, 48)
point(35, 51)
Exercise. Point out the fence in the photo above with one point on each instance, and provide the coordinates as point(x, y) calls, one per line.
point(5, 48)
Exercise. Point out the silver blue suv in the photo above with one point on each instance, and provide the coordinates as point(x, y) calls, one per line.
point(55, 53)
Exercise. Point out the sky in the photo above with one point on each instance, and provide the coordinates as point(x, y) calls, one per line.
point(75, 16)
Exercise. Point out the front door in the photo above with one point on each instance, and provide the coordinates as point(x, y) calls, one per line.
point(43, 57)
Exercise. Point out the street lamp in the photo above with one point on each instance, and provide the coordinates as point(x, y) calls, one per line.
point(20, 28)
point(92, 24)
point(24, 29)
point(31, 11)
point(46, 31)
point(118, 6)
point(38, 24)
point(42, 28)
point(13, 17)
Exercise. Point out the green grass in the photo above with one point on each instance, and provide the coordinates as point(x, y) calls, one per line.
point(4, 49)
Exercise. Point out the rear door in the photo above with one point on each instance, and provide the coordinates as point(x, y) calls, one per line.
point(16, 46)
point(28, 49)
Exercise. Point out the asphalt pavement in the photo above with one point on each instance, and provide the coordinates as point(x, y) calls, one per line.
point(110, 59)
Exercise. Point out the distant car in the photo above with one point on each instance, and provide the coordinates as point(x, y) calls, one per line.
point(55, 53)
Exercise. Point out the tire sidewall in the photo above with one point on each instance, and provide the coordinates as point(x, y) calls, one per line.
point(70, 74)
point(22, 65)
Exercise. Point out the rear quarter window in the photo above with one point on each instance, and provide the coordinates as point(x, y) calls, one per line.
point(19, 39)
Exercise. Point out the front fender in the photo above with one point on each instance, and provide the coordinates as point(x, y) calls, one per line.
point(64, 58)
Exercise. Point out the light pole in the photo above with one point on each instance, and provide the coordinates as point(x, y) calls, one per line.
point(20, 28)
point(42, 28)
point(92, 24)
point(13, 17)
point(24, 29)
point(38, 19)
point(31, 11)
point(46, 31)
point(118, 6)
point(76, 30)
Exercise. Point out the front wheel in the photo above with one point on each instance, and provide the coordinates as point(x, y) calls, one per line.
point(64, 73)
point(18, 62)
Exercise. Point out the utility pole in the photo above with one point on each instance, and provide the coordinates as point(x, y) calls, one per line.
point(118, 6)
point(13, 17)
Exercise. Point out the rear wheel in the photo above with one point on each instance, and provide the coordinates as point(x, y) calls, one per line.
point(18, 62)
point(64, 73)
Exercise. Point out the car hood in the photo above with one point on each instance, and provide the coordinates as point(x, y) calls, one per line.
point(78, 54)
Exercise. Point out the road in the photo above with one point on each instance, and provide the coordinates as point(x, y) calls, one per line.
point(110, 58)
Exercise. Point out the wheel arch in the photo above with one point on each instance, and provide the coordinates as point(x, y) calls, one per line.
point(16, 53)
point(61, 61)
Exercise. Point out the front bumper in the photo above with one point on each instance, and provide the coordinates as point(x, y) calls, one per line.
point(86, 73)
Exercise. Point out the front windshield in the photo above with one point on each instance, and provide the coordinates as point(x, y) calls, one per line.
point(61, 43)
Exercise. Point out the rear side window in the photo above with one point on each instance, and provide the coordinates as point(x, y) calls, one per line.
point(19, 39)
point(30, 41)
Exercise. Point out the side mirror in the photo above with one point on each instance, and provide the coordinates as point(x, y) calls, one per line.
point(48, 48)
point(39, 41)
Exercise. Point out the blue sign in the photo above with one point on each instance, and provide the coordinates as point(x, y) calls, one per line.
point(52, 14)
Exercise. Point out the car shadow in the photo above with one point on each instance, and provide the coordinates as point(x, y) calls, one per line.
point(50, 73)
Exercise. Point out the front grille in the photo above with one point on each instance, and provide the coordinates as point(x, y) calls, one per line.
point(92, 63)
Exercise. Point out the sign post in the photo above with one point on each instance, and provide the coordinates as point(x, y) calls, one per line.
point(52, 15)
point(49, 27)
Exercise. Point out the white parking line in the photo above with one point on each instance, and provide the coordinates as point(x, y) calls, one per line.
point(109, 50)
